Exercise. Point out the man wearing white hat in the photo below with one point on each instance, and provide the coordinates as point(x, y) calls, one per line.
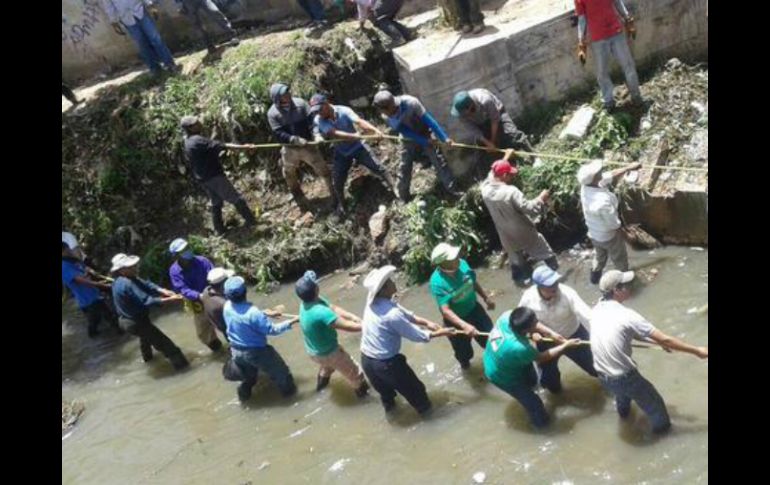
point(600, 211)
point(188, 278)
point(213, 298)
point(613, 328)
point(69, 239)
point(385, 323)
point(133, 297)
point(454, 287)
point(561, 315)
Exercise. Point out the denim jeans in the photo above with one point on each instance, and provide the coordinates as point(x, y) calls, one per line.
point(617, 45)
point(632, 386)
point(152, 49)
point(313, 8)
point(525, 394)
point(342, 164)
point(265, 359)
point(550, 377)
point(461, 344)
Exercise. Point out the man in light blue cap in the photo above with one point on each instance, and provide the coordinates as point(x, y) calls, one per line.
point(188, 277)
point(562, 315)
point(247, 330)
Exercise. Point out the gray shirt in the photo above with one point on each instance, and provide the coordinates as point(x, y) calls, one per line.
point(613, 327)
point(384, 323)
point(488, 108)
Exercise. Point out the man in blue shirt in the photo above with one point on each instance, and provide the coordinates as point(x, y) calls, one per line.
point(406, 115)
point(247, 330)
point(86, 291)
point(133, 298)
point(337, 121)
point(384, 324)
point(188, 277)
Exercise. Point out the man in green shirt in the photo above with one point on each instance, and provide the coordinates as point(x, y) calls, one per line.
point(508, 360)
point(454, 286)
point(319, 320)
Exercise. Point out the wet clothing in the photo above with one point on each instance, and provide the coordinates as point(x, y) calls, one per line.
point(393, 375)
point(266, 359)
point(339, 360)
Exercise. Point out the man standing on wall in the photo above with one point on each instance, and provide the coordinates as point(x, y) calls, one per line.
point(195, 9)
point(602, 20)
point(131, 16)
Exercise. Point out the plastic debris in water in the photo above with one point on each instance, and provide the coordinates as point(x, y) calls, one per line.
point(339, 465)
point(692, 310)
point(479, 477)
point(299, 432)
point(696, 248)
point(264, 465)
point(316, 410)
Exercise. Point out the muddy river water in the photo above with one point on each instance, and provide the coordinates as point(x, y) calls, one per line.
point(145, 424)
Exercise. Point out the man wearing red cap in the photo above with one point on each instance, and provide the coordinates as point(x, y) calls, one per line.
point(513, 216)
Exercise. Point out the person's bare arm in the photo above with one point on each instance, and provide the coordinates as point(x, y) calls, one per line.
point(673, 343)
point(458, 322)
point(368, 127)
point(484, 296)
point(554, 352)
point(424, 322)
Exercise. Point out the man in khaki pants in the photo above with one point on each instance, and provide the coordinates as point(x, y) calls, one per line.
point(290, 121)
point(188, 277)
point(320, 320)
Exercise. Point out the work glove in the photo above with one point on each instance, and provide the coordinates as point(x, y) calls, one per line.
point(630, 28)
point(581, 52)
point(298, 140)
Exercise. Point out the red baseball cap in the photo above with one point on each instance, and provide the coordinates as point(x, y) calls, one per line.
point(502, 167)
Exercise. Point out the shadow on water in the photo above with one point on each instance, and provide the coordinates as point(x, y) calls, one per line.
point(636, 431)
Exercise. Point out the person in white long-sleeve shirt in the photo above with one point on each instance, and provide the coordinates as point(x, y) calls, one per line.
point(600, 211)
point(561, 310)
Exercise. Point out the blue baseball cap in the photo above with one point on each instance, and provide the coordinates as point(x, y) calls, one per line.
point(234, 286)
point(545, 276)
point(460, 103)
point(306, 286)
point(316, 102)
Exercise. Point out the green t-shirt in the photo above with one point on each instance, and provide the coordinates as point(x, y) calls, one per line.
point(457, 290)
point(507, 354)
point(316, 319)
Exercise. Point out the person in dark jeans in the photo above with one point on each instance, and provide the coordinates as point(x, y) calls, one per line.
point(204, 157)
point(213, 298)
point(133, 298)
point(247, 330)
point(67, 93)
point(315, 11)
point(337, 121)
point(384, 324)
point(454, 287)
point(471, 19)
point(509, 356)
point(87, 292)
point(196, 9)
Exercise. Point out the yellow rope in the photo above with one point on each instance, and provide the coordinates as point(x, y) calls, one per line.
point(483, 148)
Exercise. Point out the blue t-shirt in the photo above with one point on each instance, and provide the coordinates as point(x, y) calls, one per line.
point(344, 118)
point(248, 327)
point(84, 295)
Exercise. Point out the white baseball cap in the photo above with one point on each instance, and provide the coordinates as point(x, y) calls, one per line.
point(587, 172)
point(121, 260)
point(611, 279)
point(218, 275)
point(444, 252)
point(69, 239)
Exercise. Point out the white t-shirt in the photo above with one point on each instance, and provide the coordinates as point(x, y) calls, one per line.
point(613, 327)
point(600, 211)
point(563, 313)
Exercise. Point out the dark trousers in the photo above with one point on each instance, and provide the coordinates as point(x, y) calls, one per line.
point(67, 93)
point(632, 386)
point(410, 152)
point(195, 9)
point(342, 164)
point(269, 361)
point(394, 375)
point(524, 393)
point(508, 134)
point(470, 12)
point(313, 8)
point(461, 344)
point(151, 337)
point(550, 377)
point(97, 311)
point(384, 15)
point(219, 190)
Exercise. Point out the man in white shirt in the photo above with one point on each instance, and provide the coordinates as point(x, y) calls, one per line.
point(600, 211)
point(561, 309)
point(613, 327)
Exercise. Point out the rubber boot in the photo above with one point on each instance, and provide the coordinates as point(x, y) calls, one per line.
point(362, 390)
point(215, 345)
point(179, 361)
point(595, 277)
point(321, 382)
point(216, 220)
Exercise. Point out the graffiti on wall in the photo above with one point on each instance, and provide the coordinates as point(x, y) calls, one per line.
point(78, 31)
